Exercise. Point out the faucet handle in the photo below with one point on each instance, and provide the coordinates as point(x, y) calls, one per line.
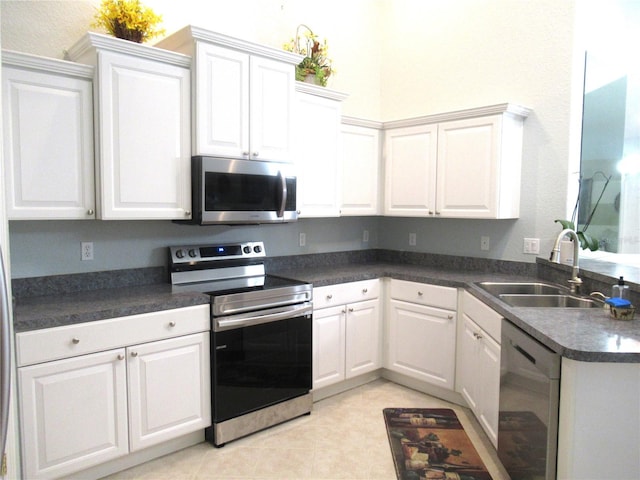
point(574, 284)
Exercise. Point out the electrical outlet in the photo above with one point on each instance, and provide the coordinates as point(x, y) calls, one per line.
point(412, 239)
point(484, 243)
point(365, 236)
point(303, 239)
point(86, 250)
point(531, 246)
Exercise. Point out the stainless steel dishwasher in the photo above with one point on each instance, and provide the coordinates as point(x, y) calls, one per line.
point(529, 401)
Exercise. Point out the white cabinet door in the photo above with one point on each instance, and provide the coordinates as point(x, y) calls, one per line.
point(169, 389)
point(467, 168)
point(221, 102)
point(363, 338)
point(328, 346)
point(317, 147)
point(360, 161)
point(243, 105)
point(422, 342)
point(48, 139)
point(410, 162)
point(271, 109)
point(144, 138)
point(478, 363)
point(74, 413)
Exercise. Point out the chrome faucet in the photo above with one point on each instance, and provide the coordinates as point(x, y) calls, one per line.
point(575, 281)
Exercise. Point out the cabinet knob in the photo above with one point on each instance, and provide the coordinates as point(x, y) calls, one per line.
point(90, 211)
point(430, 212)
point(450, 317)
point(344, 311)
point(187, 213)
point(255, 154)
point(329, 297)
point(134, 354)
point(351, 309)
point(245, 154)
point(75, 340)
point(437, 212)
point(120, 356)
point(364, 290)
point(172, 324)
point(420, 294)
point(477, 336)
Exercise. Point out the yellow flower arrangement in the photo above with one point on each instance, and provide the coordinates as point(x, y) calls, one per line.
point(315, 61)
point(128, 19)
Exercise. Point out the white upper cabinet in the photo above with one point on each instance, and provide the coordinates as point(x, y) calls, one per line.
point(48, 138)
point(244, 95)
point(317, 147)
point(142, 128)
point(462, 164)
point(360, 163)
point(410, 173)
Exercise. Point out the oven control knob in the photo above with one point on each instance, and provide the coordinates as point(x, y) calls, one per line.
point(257, 249)
point(180, 253)
point(247, 249)
point(193, 253)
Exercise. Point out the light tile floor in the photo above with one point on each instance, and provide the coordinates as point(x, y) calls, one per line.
point(343, 438)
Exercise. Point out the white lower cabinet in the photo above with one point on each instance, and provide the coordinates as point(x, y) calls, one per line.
point(82, 411)
point(347, 333)
point(478, 377)
point(422, 332)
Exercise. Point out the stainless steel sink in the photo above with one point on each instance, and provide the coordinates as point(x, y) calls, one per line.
point(541, 301)
point(537, 294)
point(522, 288)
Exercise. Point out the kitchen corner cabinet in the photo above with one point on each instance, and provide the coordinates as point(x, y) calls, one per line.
point(142, 117)
point(90, 392)
point(478, 362)
point(421, 323)
point(48, 138)
point(243, 101)
point(462, 164)
point(317, 150)
point(347, 331)
point(360, 163)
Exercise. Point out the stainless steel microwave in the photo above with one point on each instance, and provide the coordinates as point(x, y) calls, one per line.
point(231, 191)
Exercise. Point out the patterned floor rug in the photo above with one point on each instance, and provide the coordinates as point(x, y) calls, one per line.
point(430, 443)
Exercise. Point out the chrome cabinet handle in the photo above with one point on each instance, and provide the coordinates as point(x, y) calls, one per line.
point(90, 211)
point(420, 294)
point(172, 324)
point(134, 354)
point(351, 309)
point(75, 340)
point(364, 290)
point(245, 153)
point(329, 297)
point(187, 213)
point(255, 154)
point(120, 356)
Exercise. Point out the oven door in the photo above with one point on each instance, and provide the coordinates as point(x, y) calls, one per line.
point(234, 191)
point(259, 365)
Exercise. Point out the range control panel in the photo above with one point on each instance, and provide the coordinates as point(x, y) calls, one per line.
point(224, 251)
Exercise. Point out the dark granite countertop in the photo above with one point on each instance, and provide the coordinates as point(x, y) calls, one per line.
point(581, 334)
point(584, 334)
point(32, 313)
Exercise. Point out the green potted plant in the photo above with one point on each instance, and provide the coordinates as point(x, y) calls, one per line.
point(128, 19)
point(587, 241)
point(316, 67)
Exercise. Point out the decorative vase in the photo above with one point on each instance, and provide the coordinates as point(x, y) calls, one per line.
point(120, 31)
point(311, 78)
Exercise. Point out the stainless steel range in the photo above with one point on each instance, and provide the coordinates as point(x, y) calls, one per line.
point(260, 332)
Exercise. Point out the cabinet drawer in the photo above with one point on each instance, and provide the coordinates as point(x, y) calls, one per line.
point(342, 293)
point(424, 294)
point(483, 315)
point(61, 342)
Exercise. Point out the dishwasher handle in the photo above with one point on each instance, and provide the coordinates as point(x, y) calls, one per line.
point(545, 360)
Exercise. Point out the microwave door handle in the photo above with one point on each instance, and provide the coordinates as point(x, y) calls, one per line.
point(283, 187)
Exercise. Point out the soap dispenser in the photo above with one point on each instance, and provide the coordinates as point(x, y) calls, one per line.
point(620, 290)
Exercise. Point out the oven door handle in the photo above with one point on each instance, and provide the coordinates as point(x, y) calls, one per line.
point(257, 318)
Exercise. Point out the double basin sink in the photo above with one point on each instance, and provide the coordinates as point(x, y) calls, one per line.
point(537, 294)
